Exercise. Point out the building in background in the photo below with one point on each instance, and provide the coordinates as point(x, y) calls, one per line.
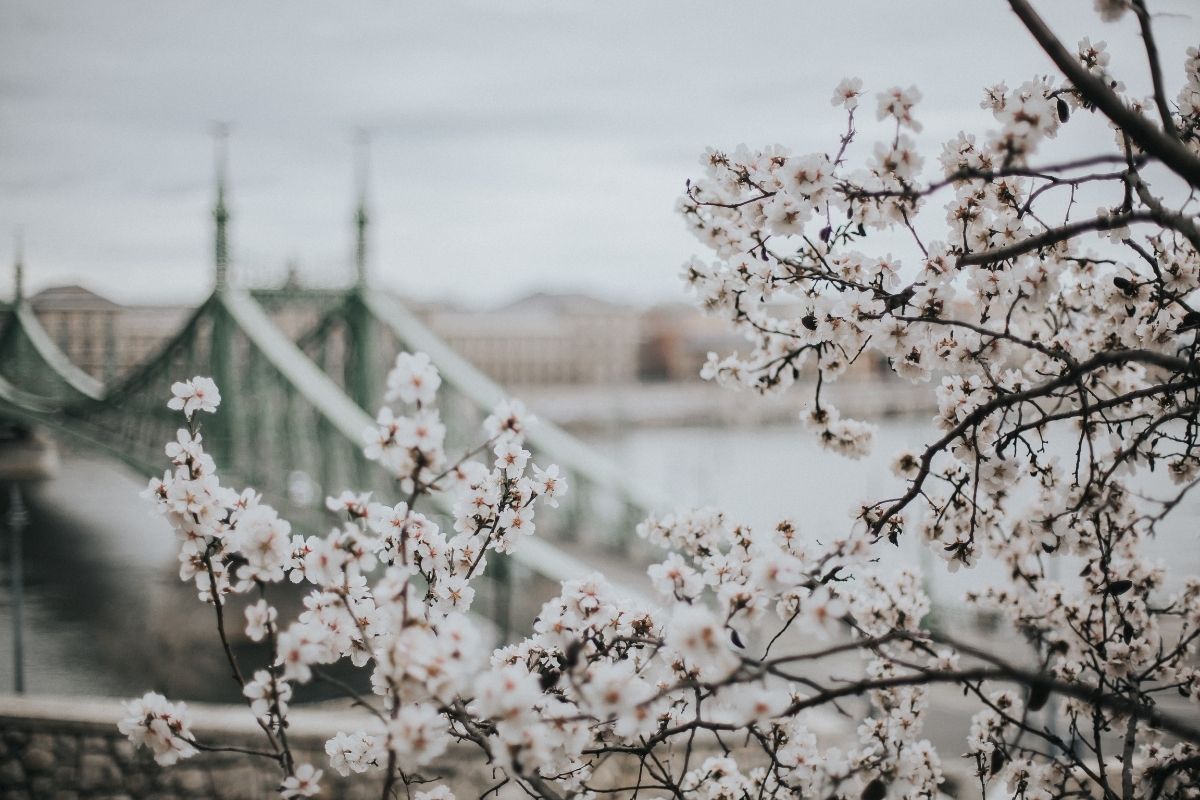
point(543, 339)
point(101, 337)
point(677, 339)
point(547, 339)
point(540, 340)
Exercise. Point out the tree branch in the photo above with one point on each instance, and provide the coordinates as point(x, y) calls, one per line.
point(1150, 139)
point(1054, 236)
point(1160, 95)
point(1072, 374)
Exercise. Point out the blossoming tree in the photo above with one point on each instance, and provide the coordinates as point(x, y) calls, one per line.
point(1065, 346)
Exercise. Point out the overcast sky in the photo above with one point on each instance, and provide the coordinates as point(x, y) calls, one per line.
point(518, 145)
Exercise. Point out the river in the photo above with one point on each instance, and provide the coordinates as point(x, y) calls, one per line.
point(105, 614)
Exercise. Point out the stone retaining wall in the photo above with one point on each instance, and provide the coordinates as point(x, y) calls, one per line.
point(58, 748)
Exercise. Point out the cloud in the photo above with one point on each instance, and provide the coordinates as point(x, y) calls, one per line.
point(517, 145)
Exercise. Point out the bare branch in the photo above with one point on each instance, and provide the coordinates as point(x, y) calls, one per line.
point(1152, 140)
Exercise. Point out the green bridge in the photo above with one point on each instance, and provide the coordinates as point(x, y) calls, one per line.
point(294, 409)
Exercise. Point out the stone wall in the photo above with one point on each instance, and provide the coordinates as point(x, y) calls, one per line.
point(66, 748)
point(59, 748)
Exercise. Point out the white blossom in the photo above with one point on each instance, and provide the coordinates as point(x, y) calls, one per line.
point(413, 380)
point(259, 616)
point(306, 782)
point(198, 394)
point(160, 726)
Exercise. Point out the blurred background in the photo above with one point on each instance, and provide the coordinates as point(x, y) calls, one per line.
point(516, 147)
point(524, 162)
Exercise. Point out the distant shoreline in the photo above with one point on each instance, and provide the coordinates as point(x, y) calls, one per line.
point(600, 407)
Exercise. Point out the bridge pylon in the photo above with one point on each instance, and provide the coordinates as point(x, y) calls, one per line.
point(362, 155)
point(224, 428)
point(361, 368)
point(18, 267)
point(220, 212)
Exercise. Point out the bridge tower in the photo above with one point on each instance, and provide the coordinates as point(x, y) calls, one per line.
point(220, 212)
point(360, 365)
point(362, 166)
point(223, 428)
point(18, 267)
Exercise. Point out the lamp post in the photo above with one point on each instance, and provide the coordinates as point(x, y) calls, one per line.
point(25, 456)
point(18, 519)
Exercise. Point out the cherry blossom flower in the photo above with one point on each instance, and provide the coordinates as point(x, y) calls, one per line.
point(265, 541)
point(417, 734)
point(511, 457)
point(1038, 327)
point(198, 394)
point(259, 616)
point(550, 484)
point(266, 694)
point(413, 380)
point(510, 418)
point(355, 752)
point(898, 104)
point(702, 641)
point(160, 726)
point(847, 93)
point(305, 783)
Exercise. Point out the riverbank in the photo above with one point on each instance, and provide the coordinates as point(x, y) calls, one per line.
point(693, 403)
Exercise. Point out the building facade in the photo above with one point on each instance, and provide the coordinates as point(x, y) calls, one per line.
point(101, 337)
point(539, 340)
point(547, 339)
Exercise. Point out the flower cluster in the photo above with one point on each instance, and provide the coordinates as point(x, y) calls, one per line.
point(1061, 351)
point(390, 589)
point(198, 394)
point(1061, 347)
point(602, 671)
point(160, 726)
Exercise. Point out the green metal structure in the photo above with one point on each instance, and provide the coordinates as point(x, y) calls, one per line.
point(295, 407)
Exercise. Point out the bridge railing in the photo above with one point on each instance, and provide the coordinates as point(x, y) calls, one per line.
point(285, 427)
point(607, 503)
point(30, 360)
point(354, 340)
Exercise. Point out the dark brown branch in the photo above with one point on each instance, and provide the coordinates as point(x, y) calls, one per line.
point(1000, 671)
point(247, 751)
point(232, 659)
point(1181, 223)
point(1069, 377)
point(1048, 172)
point(1160, 95)
point(1150, 139)
point(1054, 236)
